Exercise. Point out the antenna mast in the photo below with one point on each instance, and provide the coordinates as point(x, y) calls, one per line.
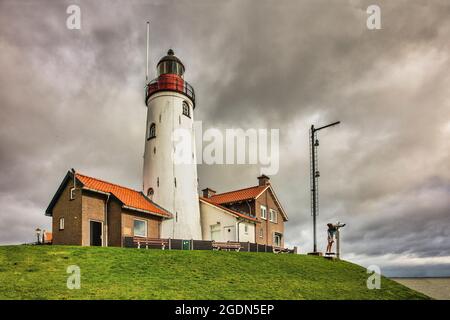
point(146, 59)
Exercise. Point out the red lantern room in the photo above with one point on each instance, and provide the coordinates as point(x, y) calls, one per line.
point(170, 71)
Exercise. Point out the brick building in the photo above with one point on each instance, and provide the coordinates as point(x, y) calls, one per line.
point(259, 202)
point(83, 214)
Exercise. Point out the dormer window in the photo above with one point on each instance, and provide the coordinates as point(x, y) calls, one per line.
point(151, 132)
point(186, 109)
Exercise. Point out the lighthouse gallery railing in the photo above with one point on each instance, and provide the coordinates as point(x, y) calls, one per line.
point(171, 84)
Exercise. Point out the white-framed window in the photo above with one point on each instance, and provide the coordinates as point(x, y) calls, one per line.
point(245, 229)
point(277, 239)
point(273, 215)
point(140, 228)
point(186, 109)
point(260, 232)
point(263, 212)
point(61, 223)
point(151, 131)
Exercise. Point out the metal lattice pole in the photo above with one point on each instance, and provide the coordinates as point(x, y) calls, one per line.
point(314, 143)
point(313, 187)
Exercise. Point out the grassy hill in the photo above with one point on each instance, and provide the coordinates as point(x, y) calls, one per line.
point(39, 272)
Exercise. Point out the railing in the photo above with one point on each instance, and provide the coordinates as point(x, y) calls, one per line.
point(171, 84)
point(180, 244)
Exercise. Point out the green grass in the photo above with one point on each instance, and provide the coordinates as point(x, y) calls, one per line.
point(39, 272)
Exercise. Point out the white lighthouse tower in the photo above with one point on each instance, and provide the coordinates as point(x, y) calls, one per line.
point(169, 182)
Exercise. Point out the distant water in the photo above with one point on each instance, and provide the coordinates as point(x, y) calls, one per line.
point(437, 288)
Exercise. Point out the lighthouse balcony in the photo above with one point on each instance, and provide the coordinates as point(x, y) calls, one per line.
point(170, 83)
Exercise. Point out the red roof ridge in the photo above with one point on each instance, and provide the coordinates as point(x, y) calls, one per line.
point(104, 181)
point(217, 194)
point(130, 198)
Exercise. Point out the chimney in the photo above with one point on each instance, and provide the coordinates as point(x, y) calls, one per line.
point(263, 180)
point(208, 193)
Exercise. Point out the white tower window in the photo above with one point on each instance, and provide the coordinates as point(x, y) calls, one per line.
point(186, 110)
point(151, 132)
point(150, 193)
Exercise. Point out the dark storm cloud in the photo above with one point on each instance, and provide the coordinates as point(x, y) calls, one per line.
point(74, 99)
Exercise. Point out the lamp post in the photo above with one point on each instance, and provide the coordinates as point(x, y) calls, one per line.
point(38, 234)
point(315, 174)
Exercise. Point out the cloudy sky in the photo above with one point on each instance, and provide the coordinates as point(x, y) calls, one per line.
point(74, 98)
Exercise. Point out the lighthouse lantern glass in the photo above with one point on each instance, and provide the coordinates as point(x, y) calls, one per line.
point(171, 67)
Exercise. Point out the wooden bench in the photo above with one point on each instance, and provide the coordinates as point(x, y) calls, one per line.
point(141, 241)
point(282, 250)
point(226, 246)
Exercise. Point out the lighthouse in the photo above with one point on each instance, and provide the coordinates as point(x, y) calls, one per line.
point(168, 182)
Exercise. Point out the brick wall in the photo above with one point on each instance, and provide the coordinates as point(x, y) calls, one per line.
point(268, 227)
point(93, 209)
point(70, 210)
point(114, 223)
point(153, 223)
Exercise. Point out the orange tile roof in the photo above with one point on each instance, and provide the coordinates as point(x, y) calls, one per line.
point(241, 215)
point(129, 197)
point(238, 195)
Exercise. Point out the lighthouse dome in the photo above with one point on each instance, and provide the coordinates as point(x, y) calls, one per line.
point(170, 64)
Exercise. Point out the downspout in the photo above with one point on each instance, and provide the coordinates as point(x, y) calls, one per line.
point(249, 207)
point(106, 221)
point(267, 219)
point(239, 221)
point(250, 211)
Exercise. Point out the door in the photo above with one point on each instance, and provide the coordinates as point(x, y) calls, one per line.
point(230, 233)
point(96, 233)
point(186, 245)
